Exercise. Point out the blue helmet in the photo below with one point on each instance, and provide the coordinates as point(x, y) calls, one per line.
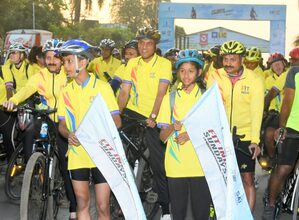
point(52, 45)
point(189, 56)
point(77, 47)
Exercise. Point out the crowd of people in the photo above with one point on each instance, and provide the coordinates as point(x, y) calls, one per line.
point(139, 82)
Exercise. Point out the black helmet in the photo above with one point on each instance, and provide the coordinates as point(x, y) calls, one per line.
point(149, 33)
point(172, 52)
point(131, 44)
point(107, 43)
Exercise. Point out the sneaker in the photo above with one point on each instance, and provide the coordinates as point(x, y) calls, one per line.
point(166, 217)
point(269, 213)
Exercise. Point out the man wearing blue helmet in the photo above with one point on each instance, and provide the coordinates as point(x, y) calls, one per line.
point(74, 102)
point(183, 170)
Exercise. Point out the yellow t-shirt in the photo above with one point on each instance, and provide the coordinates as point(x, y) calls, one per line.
point(119, 73)
point(2, 91)
point(48, 85)
point(145, 78)
point(100, 67)
point(268, 73)
point(278, 85)
point(74, 102)
point(19, 76)
point(180, 160)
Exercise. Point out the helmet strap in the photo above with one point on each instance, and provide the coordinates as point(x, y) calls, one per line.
point(78, 69)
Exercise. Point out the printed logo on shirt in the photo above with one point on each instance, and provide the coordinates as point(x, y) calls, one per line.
point(153, 75)
point(245, 90)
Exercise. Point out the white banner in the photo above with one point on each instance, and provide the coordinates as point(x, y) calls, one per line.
point(208, 129)
point(99, 136)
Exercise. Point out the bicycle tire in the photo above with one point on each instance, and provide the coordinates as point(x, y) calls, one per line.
point(56, 188)
point(296, 198)
point(145, 185)
point(33, 206)
point(14, 174)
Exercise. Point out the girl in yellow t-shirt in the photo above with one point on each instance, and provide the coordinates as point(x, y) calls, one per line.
point(183, 169)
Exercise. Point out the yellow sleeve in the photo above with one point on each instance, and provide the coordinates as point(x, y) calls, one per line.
point(7, 75)
point(166, 71)
point(108, 95)
point(127, 71)
point(164, 116)
point(119, 73)
point(2, 91)
point(256, 109)
point(91, 66)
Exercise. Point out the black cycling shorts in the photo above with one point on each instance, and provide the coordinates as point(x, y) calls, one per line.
point(288, 153)
point(85, 174)
point(245, 162)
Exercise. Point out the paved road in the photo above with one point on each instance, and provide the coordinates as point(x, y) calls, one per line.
point(9, 210)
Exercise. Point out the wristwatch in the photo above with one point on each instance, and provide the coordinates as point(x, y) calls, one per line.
point(153, 116)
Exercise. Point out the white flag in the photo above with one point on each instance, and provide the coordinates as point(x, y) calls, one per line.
point(99, 136)
point(207, 126)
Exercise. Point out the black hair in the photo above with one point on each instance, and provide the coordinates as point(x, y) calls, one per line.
point(35, 51)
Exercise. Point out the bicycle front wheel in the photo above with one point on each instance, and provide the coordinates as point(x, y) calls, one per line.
point(33, 200)
point(15, 173)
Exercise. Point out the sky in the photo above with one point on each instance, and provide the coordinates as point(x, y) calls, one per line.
point(261, 28)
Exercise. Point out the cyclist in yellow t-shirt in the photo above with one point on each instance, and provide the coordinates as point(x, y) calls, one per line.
point(129, 51)
point(252, 61)
point(48, 83)
point(216, 62)
point(105, 66)
point(183, 169)
point(273, 98)
point(74, 102)
point(146, 81)
point(16, 71)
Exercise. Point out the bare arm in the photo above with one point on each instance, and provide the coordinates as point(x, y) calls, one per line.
point(64, 131)
point(117, 120)
point(124, 96)
point(166, 132)
point(269, 97)
point(162, 89)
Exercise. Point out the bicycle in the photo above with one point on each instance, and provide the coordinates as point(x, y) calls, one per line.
point(16, 165)
point(133, 138)
point(288, 199)
point(42, 184)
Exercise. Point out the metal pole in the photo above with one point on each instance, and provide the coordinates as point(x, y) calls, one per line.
point(33, 15)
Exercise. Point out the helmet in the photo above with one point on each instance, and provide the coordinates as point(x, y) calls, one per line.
point(107, 43)
point(294, 53)
point(149, 33)
point(115, 51)
point(77, 47)
point(18, 47)
point(253, 54)
point(52, 45)
point(214, 51)
point(189, 56)
point(274, 57)
point(172, 52)
point(131, 44)
point(232, 47)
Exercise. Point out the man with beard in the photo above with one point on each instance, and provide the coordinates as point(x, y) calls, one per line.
point(243, 98)
point(48, 83)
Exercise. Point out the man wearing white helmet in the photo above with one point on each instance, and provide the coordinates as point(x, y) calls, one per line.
point(16, 71)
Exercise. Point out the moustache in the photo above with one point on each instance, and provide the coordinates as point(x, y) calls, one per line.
point(228, 67)
point(51, 64)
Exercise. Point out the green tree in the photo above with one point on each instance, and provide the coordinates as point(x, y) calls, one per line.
point(136, 14)
point(76, 9)
point(18, 14)
point(126, 12)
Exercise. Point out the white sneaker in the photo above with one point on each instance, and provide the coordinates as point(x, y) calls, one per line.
point(166, 217)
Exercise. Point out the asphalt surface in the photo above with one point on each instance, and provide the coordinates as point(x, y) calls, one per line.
point(9, 210)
